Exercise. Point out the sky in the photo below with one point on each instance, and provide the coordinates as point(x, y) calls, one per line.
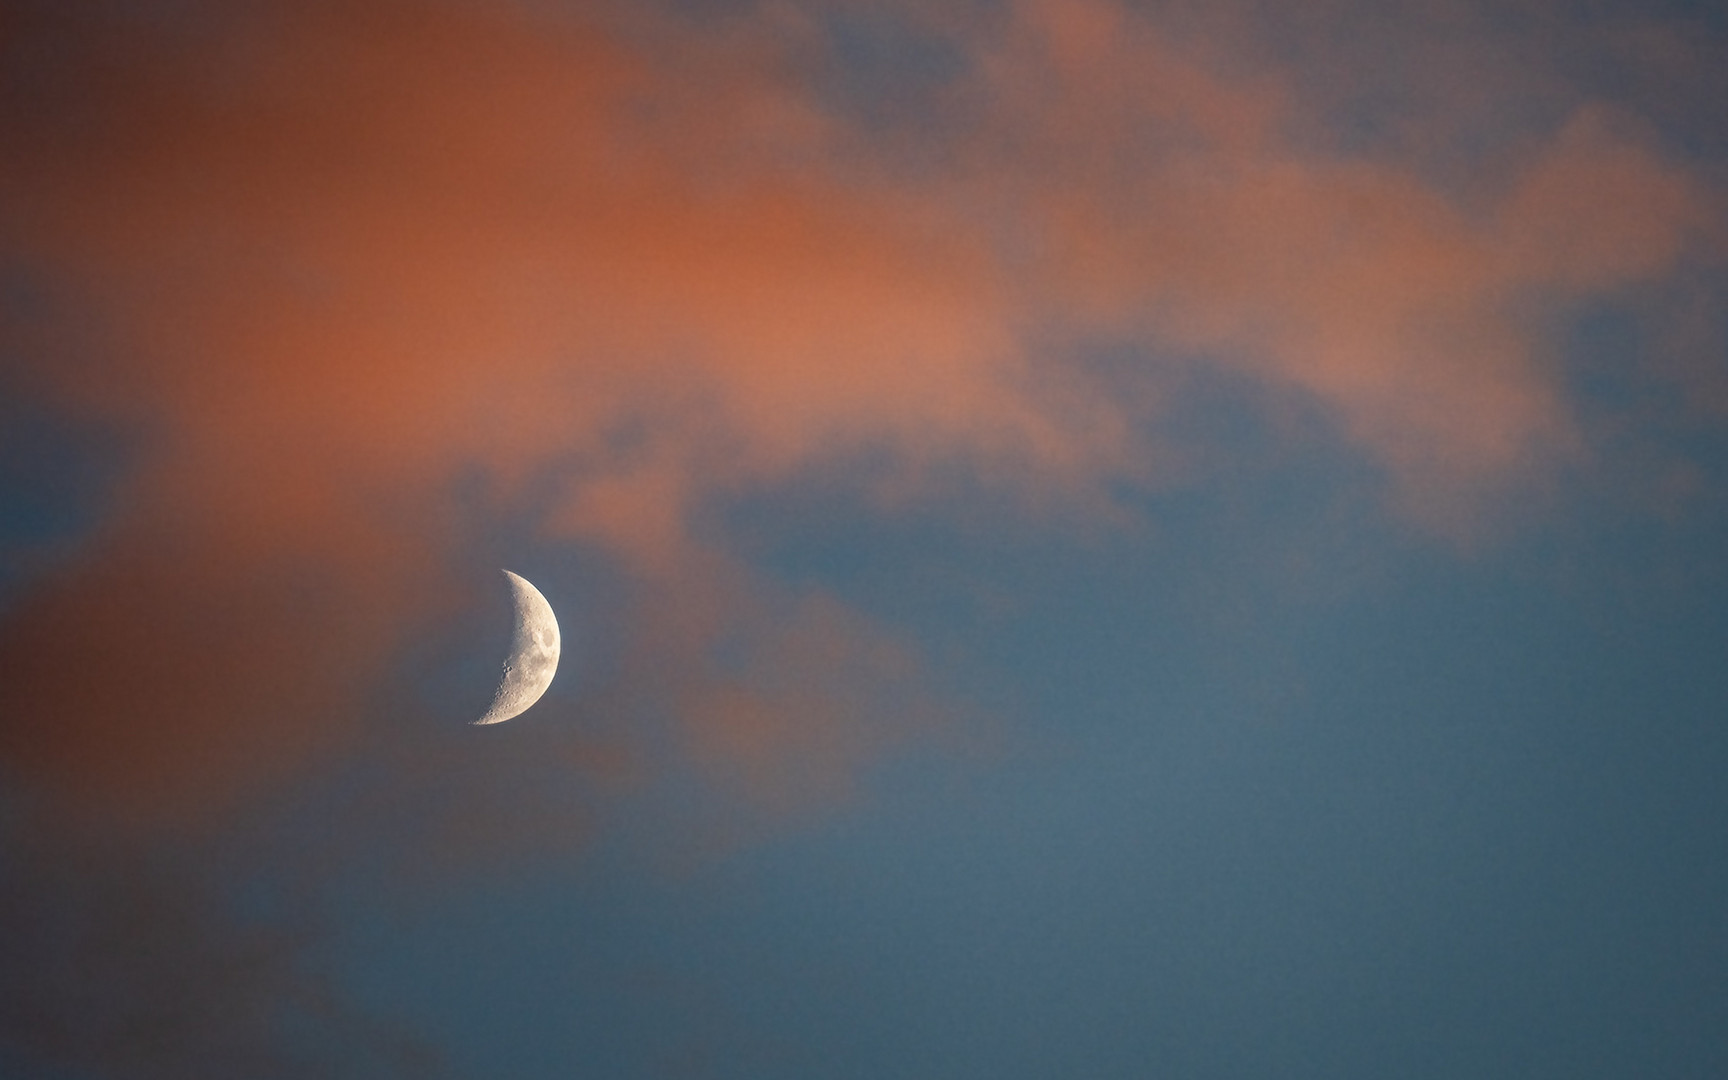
point(1121, 540)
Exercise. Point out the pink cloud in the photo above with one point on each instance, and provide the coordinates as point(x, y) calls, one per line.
point(343, 253)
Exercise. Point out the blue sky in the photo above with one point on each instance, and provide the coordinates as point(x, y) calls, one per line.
point(1098, 539)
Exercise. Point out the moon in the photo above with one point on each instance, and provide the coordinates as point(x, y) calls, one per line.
point(533, 654)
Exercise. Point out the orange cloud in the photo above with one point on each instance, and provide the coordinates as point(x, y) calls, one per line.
point(342, 253)
point(327, 259)
point(1177, 206)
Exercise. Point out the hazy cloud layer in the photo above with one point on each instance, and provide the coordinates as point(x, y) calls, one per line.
point(334, 258)
point(327, 263)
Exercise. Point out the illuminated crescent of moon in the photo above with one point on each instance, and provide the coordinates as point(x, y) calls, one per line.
point(533, 654)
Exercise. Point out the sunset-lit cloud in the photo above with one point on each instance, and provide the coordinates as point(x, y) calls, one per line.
point(335, 257)
point(764, 337)
point(1174, 206)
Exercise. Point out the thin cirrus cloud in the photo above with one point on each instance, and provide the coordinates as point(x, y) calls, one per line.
point(1178, 208)
point(339, 255)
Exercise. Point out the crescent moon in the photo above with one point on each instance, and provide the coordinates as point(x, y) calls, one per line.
point(533, 658)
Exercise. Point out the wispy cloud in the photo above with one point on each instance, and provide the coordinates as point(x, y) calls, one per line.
point(330, 261)
point(341, 256)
